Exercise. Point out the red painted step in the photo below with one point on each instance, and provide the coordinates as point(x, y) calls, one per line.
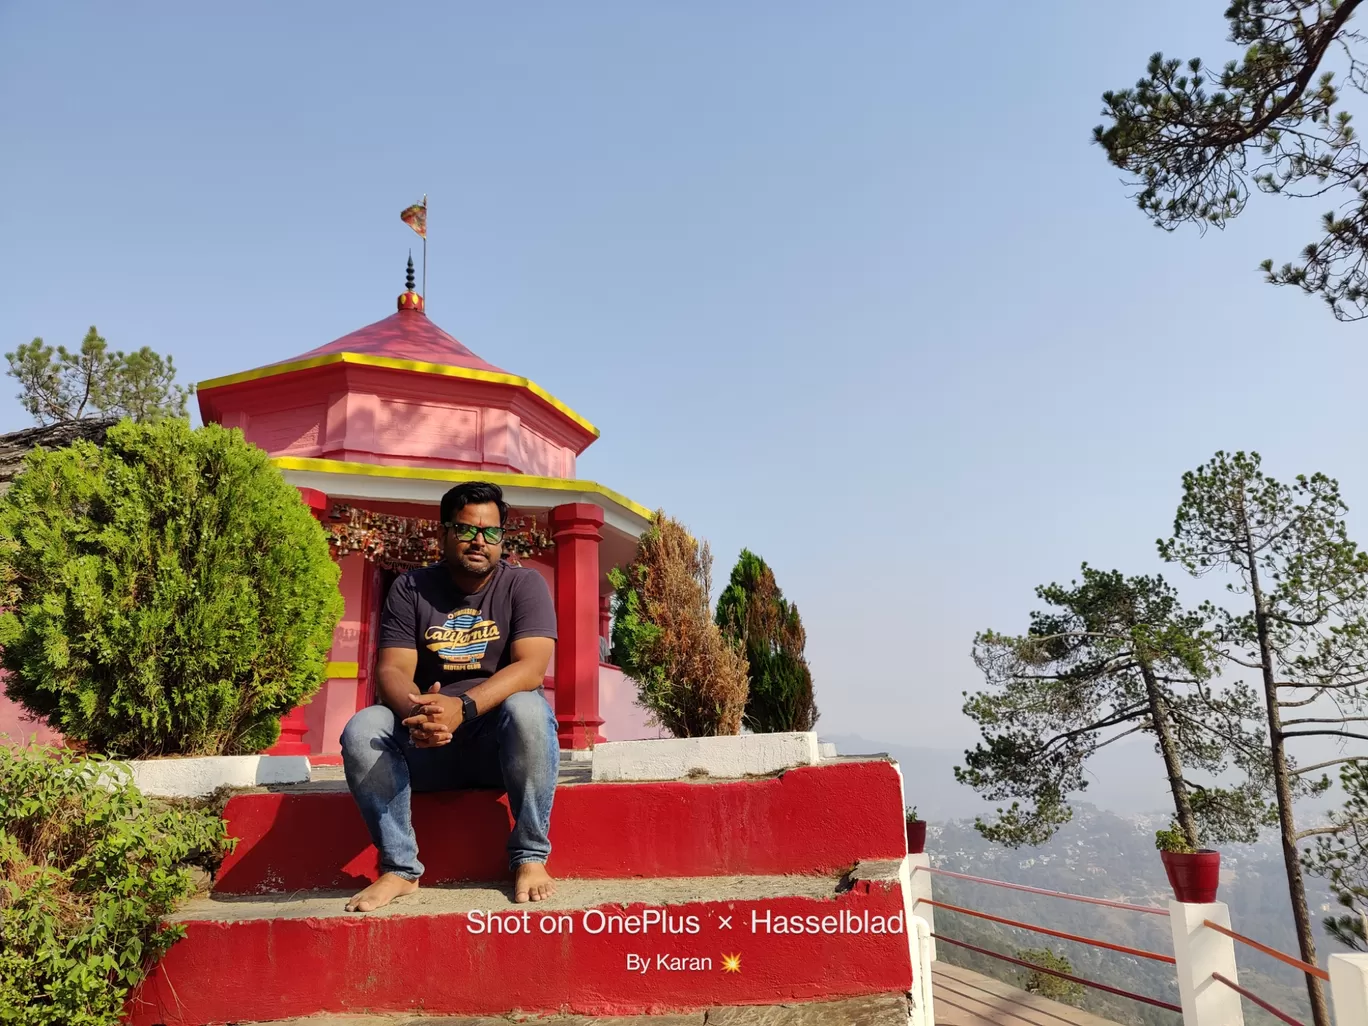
point(437, 953)
point(866, 1010)
point(817, 819)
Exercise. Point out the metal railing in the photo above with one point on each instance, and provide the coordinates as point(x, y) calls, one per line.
point(1108, 903)
point(1251, 996)
point(1062, 975)
point(1295, 963)
point(1094, 942)
point(1227, 978)
point(1049, 932)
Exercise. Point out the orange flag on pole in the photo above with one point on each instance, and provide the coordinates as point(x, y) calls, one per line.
point(416, 217)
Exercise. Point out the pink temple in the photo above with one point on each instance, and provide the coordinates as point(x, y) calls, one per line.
point(385, 420)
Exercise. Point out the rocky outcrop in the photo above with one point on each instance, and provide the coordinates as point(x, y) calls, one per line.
point(17, 444)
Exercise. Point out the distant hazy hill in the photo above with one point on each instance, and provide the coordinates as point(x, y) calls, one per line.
point(1106, 851)
point(1125, 779)
point(1108, 856)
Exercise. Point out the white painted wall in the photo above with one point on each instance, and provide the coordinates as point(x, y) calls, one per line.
point(722, 757)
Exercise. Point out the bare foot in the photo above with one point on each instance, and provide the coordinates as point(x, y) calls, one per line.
point(531, 882)
point(381, 893)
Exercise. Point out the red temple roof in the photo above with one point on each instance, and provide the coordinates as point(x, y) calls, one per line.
point(405, 342)
point(400, 394)
point(405, 335)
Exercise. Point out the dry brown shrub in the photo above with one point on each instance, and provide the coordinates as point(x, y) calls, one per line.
point(691, 678)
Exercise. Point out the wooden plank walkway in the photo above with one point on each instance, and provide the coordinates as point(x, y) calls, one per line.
point(965, 998)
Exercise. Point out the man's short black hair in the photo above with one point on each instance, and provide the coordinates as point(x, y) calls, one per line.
point(473, 493)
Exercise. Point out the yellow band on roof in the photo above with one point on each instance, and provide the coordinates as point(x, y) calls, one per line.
point(415, 366)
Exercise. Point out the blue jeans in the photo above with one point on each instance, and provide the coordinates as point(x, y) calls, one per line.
point(512, 748)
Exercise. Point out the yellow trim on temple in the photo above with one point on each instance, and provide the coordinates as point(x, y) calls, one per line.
point(341, 670)
point(555, 484)
point(365, 360)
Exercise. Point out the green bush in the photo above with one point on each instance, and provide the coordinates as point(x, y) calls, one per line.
point(753, 611)
point(1173, 840)
point(1056, 988)
point(88, 868)
point(167, 592)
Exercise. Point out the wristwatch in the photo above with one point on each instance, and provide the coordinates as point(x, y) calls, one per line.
point(468, 710)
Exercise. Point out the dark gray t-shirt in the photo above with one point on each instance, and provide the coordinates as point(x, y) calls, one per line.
point(463, 638)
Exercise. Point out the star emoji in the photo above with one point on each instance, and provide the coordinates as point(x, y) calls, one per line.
point(731, 963)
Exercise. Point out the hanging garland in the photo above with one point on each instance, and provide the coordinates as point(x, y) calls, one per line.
point(405, 542)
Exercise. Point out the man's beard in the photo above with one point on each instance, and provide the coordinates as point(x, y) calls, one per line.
point(476, 569)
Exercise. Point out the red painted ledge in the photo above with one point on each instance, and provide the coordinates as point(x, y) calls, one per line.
point(264, 969)
point(816, 819)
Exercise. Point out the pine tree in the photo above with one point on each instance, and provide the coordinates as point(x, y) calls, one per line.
point(58, 385)
point(1112, 656)
point(753, 611)
point(1341, 857)
point(1198, 140)
point(1303, 630)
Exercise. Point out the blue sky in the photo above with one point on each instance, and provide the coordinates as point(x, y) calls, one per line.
point(845, 284)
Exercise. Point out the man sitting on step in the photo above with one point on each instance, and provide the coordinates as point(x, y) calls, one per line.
point(464, 646)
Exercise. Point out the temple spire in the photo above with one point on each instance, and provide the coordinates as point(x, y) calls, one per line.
point(410, 300)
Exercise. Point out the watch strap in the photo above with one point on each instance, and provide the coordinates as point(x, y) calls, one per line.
point(468, 708)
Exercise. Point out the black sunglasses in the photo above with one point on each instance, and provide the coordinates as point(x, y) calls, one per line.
point(467, 532)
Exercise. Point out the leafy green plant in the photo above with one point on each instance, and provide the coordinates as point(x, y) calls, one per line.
point(1174, 841)
point(689, 676)
point(88, 869)
point(912, 814)
point(753, 611)
point(165, 593)
point(1047, 985)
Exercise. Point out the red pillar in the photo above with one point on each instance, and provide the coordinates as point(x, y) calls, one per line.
point(293, 725)
point(575, 528)
point(606, 617)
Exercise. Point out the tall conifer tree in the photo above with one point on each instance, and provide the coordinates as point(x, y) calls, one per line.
point(754, 611)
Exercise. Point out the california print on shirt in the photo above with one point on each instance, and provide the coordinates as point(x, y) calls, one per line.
point(463, 639)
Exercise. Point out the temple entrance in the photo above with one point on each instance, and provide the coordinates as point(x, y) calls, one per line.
point(377, 585)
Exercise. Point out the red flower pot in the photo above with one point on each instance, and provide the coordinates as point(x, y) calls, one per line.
point(916, 837)
point(1194, 877)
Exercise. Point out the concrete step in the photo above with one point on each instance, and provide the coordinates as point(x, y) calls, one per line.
point(815, 819)
point(599, 948)
point(874, 1010)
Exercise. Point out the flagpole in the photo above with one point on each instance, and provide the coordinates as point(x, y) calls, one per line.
point(424, 250)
